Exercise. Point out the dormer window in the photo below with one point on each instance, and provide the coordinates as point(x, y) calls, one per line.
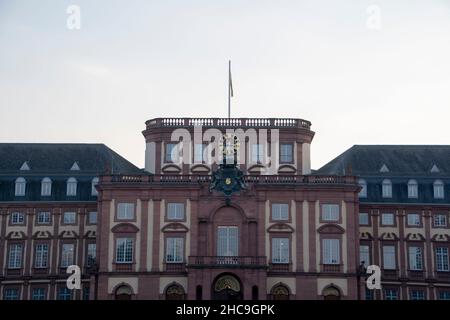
point(25, 166)
point(412, 189)
point(387, 188)
point(71, 187)
point(384, 168)
point(363, 193)
point(94, 182)
point(20, 187)
point(434, 169)
point(46, 187)
point(75, 167)
point(438, 189)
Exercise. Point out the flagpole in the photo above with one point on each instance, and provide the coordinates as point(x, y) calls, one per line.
point(229, 89)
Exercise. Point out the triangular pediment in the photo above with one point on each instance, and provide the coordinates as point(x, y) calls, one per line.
point(384, 168)
point(25, 166)
point(75, 167)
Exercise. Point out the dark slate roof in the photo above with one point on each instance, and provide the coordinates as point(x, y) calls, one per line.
point(401, 160)
point(58, 158)
point(404, 162)
point(55, 161)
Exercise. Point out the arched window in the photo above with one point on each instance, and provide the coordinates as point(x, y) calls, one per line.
point(280, 292)
point(94, 182)
point(331, 293)
point(46, 187)
point(363, 185)
point(123, 292)
point(175, 292)
point(412, 189)
point(71, 187)
point(387, 188)
point(20, 187)
point(438, 189)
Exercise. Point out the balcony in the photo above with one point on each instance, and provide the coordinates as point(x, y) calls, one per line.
point(272, 123)
point(206, 179)
point(250, 262)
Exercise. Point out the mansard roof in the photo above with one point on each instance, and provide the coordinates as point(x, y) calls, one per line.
point(402, 160)
point(58, 158)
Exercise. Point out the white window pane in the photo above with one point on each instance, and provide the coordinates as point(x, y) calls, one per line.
point(415, 258)
point(175, 211)
point(330, 251)
point(363, 218)
point(330, 212)
point(280, 211)
point(387, 219)
point(389, 257)
point(364, 254)
point(125, 211)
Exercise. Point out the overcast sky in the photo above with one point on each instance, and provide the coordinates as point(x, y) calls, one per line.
point(363, 72)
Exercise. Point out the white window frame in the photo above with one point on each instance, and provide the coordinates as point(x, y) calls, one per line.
point(46, 187)
point(174, 250)
point(280, 211)
point(175, 211)
point(363, 192)
point(386, 187)
point(38, 294)
point(125, 211)
point(364, 254)
point(20, 187)
point(393, 294)
point(387, 222)
point(94, 182)
point(11, 294)
point(69, 217)
point(200, 155)
point(413, 189)
point(41, 255)
point(331, 251)
point(415, 258)
point(43, 217)
point(71, 187)
point(364, 221)
point(174, 155)
point(280, 250)
point(92, 214)
point(67, 254)
point(442, 263)
point(124, 250)
point(15, 256)
point(417, 295)
point(438, 189)
point(258, 153)
point(91, 253)
point(414, 219)
point(227, 241)
point(285, 155)
point(389, 257)
point(330, 212)
point(17, 218)
point(440, 220)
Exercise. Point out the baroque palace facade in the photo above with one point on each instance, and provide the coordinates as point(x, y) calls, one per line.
point(224, 209)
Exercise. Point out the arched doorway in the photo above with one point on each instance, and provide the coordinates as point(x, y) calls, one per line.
point(331, 293)
point(175, 292)
point(280, 292)
point(123, 292)
point(227, 287)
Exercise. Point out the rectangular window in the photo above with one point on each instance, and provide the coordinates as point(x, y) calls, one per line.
point(389, 257)
point(227, 241)
point(200, 153)
point(369, 294)
point(64, 293)
point(43, 218)
point(91, 254)
point(387, 219)
point(280, 250)
point(363, 219)
point(440, 220)
point(286, 153)
point(442, 259)
point(364, 254)
point(38, 294)
point(387, 190)
point(92, 217)
point(125, 211)
point(438, 191)
point(15, 256)
point(257, 153)
point(330, 212)
point(17, 218)
point(11, 294)
point(444, 295)
point(331, 251)
point(86, 293)
point(174, 250)
point(67, 254)
point(412, 191)
point(417, 295)
point(69, 217)
point(390, 294)
point(415, 258)
point(172, 152)
point(413, 219)
point(175, 211)
point(280, 211)
point(41, 255)
point(124, 250)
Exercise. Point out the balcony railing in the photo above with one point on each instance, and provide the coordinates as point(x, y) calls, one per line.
point(228, 123)
point(332, 268)
point(175, 267)
point(255, 179)
point(227, 262)
point(280, 267)
point(389, 274)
